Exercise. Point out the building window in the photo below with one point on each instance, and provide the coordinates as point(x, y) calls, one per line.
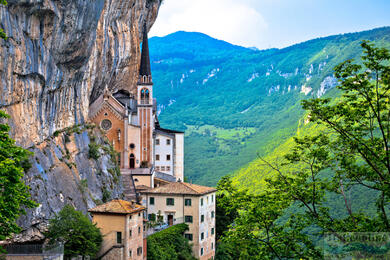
point(168, 157)
point(212, 198)
point(144, 96)
point(202, 218)
point(170, 202)
point(212, 214)
point(132, 146)
point(152, 217)
point(139, 214)
point(157, 168)
point(163, 168)
point(168, 168)
point(151, 200)
point(139, 251)
point(130, 252)
point(157, 157)
point(168, 141)
point(187, 202)
point(201, 202)
point(202, 236)
point(188, 236)
point(188, 219)
point(157, 141)
point(212, 231)
point(135, 180)
point(130, 217)
point(130, 232)
point(201, 251)
point(139, 230)
point(119, 237)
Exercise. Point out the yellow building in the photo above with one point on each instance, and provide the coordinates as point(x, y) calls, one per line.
point(180, 202)
point(121, 224)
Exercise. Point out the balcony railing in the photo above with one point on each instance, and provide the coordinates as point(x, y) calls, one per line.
point(47, 251)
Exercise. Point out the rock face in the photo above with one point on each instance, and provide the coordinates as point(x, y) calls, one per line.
point(76, 167)
point(60, 55)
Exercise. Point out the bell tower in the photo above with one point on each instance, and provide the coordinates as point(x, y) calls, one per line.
point(145, 104)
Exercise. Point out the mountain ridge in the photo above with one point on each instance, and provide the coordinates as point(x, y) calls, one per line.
point(240, 103)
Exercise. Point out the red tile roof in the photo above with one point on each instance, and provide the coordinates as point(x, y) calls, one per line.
point(118, 207)
point(180, 188)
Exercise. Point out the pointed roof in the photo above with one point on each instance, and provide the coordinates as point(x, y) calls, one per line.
point(118, 207)
point(181, 188)
point(144, 69)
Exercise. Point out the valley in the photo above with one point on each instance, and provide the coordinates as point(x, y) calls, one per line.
point(244, 102)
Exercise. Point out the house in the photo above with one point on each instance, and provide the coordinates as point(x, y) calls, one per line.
point(180, 202)
point(129, 119)
point(122, 226)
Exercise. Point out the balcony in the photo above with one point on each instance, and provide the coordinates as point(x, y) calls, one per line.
point(157, 226)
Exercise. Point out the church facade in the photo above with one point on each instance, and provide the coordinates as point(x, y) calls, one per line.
point(150, 154)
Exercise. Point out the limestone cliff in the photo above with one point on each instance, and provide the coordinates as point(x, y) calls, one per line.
point(76, 166)
point(59, 56)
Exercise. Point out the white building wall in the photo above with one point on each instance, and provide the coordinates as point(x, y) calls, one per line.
point(179, 157)
point(208, 242)
point(163, 149)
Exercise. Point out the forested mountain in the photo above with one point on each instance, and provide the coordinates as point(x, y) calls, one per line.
point(235, 103)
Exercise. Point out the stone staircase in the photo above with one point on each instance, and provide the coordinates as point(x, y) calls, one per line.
point(128, 185)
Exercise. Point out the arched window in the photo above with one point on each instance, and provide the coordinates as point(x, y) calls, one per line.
point(144, 96)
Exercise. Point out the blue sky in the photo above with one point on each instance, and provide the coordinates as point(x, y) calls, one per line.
point(270, 23)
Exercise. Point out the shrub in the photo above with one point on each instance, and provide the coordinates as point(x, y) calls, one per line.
point(93, 152)
point(170, 244)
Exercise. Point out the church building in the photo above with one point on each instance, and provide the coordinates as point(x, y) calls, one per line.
point(150, 155)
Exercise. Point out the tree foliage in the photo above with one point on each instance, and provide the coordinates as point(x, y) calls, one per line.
point(80, 236)
point(288, 218)
point(2, 33)
point(14, 194)
point(170, 244)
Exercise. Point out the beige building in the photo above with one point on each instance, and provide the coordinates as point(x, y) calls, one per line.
point(180, 202)
point(121, 224)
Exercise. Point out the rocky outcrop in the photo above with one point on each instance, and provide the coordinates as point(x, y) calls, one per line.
point(60, 55)
point(58, 58)
point(77, 166)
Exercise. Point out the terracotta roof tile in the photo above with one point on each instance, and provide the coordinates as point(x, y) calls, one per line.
point(118, 207)
point(181, 188)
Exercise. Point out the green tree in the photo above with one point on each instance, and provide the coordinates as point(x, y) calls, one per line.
point(80, 236)
point(352, 152)
point(170, 244)
point(14, 194)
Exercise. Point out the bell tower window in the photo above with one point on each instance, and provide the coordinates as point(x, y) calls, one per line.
point(144, 96)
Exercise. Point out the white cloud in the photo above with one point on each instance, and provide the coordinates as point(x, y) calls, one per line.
point(228, 20)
